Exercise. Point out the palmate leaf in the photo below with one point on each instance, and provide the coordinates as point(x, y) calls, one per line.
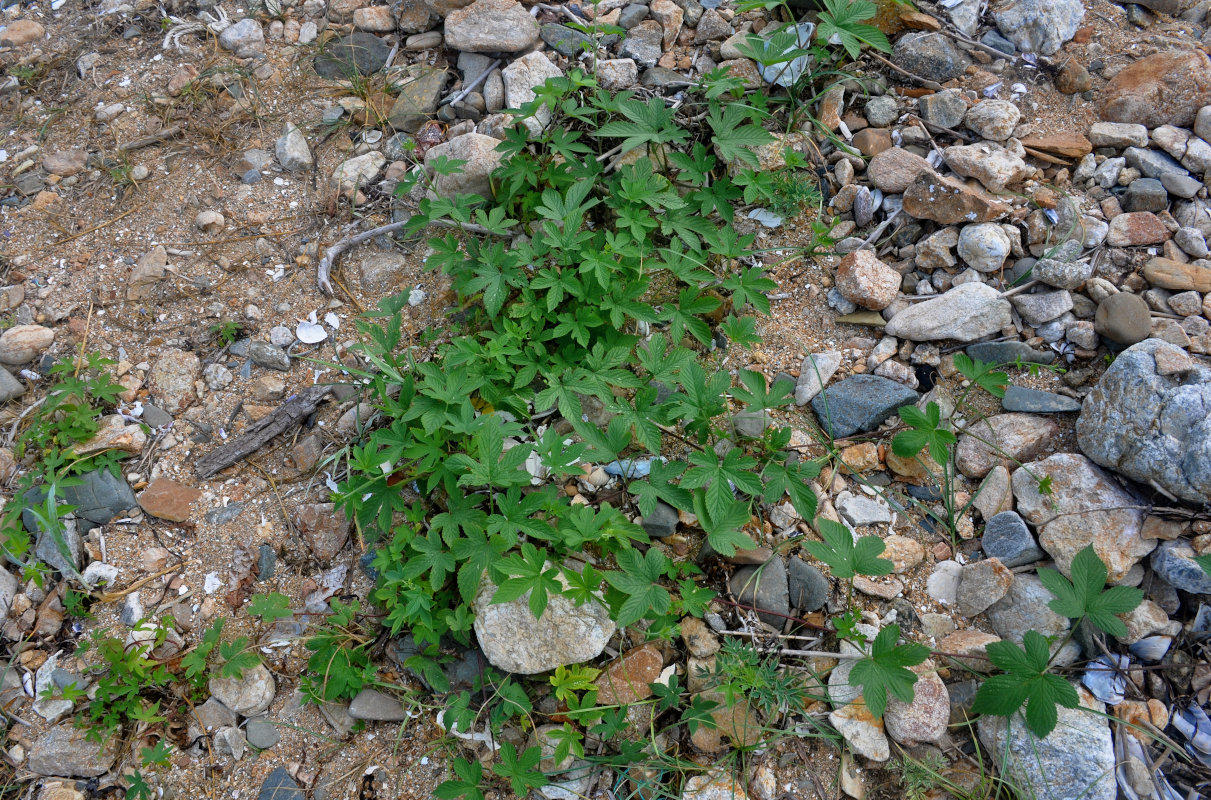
point(735, 136)
point(1204, 562)
point(660, 486)
point(843, 19)
point(531, 573)
point(639, 581)
point(724, 531)
point(843, 556)
point(1086, 595)
point(886, 670)
point(793, 480)
point(713, 473)
point(1025, 681)
point(925, 431)
point(647, 123)
point(468, 775)
point(982, 374)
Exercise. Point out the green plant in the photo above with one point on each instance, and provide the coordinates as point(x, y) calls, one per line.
point(920, 776)
point(886, 670)
point(230, 662)
point(67, 416)
point(339, 665)
point(1026, 679)
point(128, 680)
point(845, 20)
point(226, 332)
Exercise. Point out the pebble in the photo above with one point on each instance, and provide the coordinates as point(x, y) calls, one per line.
point(1123, 318)
point(371, 704)
point(278, 785)
point(1007, 539)
point(248, 696)
point(661, 522)
point(21, 344)
point(808, 588)
point(882, 111)
point(167, 499)
point(929, 55)
point(764, 587)
point(865, 280)
point(292, 150)
point(860, 403)
point(65, 750)
point(244, 38)
point(21, 32)
point(965, 313)
point(814, 373)
point(356, 54)
point(1016, 437)
point(1036, 401)
point(981, 584)
point(267, 355)
point(983, 247)
point(993, 119)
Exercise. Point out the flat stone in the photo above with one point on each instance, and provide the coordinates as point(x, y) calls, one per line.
point(945, 109)
point(860, 510)
point(262, 734)
point(371, 704)
point(1118, 135)
point(1151, 423)
point(1007, 539)
point(1085, 506)
point(1136, 229)
point(21, 344)
point(993, 120)
point(566, 41)
point(167, 499)
point(1016, 437)
point(278, 785)
point(1174, 563)
point(1008, 353)
point(895, 169)
point(995, 167)
point(491, 26)
point(661, 522)
point(1039, 26)
point(1036, 401)
point(1041, 307)
point(418, 97)
point(967, 312)
point(864, 734)
point(521, 78)
point(860, 403)
point(358, 54)
point(930, 55)
point(481, 157)
point(65, 750)
point(172, 377)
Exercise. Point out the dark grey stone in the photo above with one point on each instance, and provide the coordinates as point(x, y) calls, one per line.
point(267, 560)
point(998, 42)
point(356, 54)
point(1181, 185)
point(269, 356)
point(809, 589)
point(1019, 398)
point(661, 522)
point(228, 513)
point(946, 109)
point(371, 704)
point(98, 498)
point(1173, 564)
point(566, 41)
point(764, 587)
point(1152, 163)
point(930, 55)
point(1145, 194)
point(1007, 538)
point(250, 177)
point(10, 387)
point(860, 403)
point(1008, 353)
point(279, 785)
point(632, 15)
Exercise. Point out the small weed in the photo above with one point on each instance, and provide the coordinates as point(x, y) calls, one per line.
point(225, 333)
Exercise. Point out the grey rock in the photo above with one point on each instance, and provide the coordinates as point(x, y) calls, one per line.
point(63, 548)
point(1173, 562)
point(418, 97)
point(981, 583)
point(764, 587)
point(632, 15)
point(491, 26)
point(8, 590)
point(353, 55)
point(644, 43)
point(965, 313)
point(1039, 26)
point(10, 387)
point(859, 510)
point(1008, 353)
point(809, 589)
point(1042, 307)
point(1145, 194)
point(66, 751)
point(1118, 135)
point(930, 55)
point(1180, 185)
point(243, 37)
point(267, 559)
point(966, 16)
point(1020, 398)
point(998, 42)
point(266, 355)
point(838, 301)
point(946, 108)
point(993, 119)
point(1007, 538)
point(225, 514)
point(217, 377)
point(337, 715)
point(278, 785)
point(374, 705)
point(155, 416)
point(814, 373)
point(860, 403)
point(262, 734)
point(984, 247)
point(751, 424)
point(249, 695)
point(481, 157)
point(660, 78)
point(1025, 607)
point(1062, 274)
point(1075, 760)
point(881, 111)
point(1149, 417)
point(292, 150)
point(514, 641)
point(1152, 163)
point(661, 522)
point(1191, 241)
point(566, 41)
point(210, 717)
point(132, 610)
